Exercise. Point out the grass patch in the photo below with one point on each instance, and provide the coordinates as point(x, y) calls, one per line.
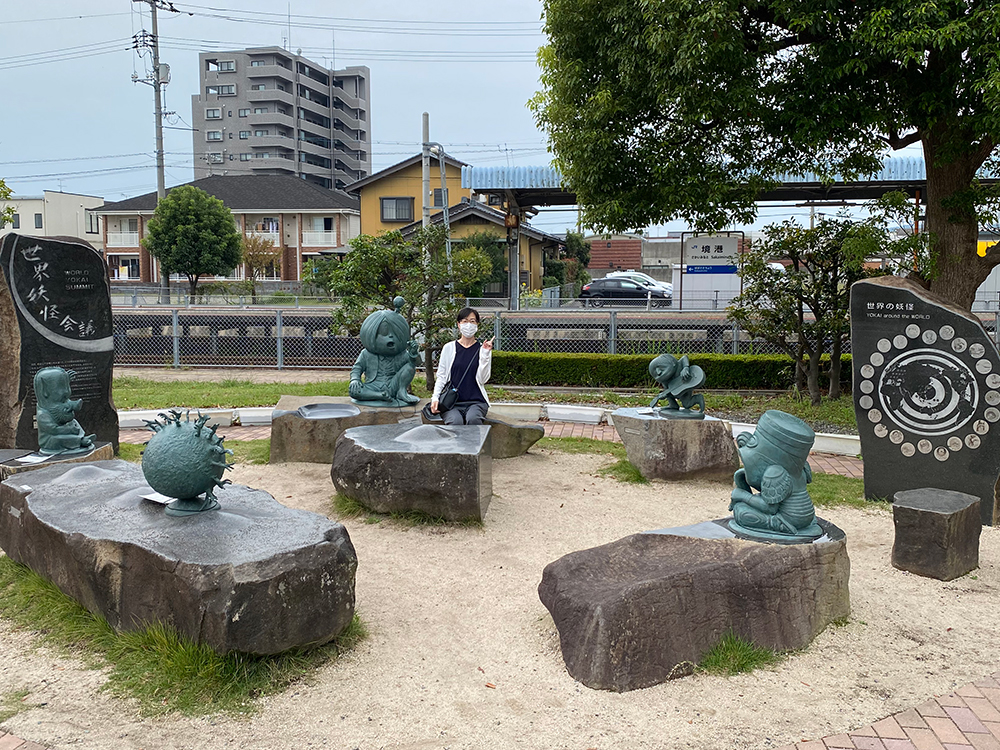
point(139, 393)
point(833, 490)
point(583, 445)
point(161, 670)
point(346, 507)
point(624, 471)
point(12, 703)
point(244, 451)
point(733, 655)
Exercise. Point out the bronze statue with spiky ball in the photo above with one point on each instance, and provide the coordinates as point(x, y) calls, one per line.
point(185, 460)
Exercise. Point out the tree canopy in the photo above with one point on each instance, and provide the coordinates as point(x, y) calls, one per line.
point(193, 233)
point(658, 109)
point(6, 213)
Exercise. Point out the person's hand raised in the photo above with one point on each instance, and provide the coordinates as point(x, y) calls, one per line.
point(488, 345)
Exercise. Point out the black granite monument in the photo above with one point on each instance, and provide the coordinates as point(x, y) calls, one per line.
point(926, 393)
point(55, 311)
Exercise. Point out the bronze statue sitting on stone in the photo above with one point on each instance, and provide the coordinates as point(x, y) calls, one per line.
point(774, 463)
point(678, 378)
point(382, 374)
point(58, 430)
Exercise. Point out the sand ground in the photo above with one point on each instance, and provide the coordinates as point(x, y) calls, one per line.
point(452, 609)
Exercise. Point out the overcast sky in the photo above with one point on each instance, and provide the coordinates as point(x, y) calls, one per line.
point(73, 120)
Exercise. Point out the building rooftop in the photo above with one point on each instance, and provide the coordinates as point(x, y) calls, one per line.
point(252, 193)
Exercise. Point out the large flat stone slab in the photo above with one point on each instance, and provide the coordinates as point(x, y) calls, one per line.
point(646, 608)
point(926, 393)
point(254, 577)
point(55, 311)
point(507, 439)
point(444, 471)
point(10, 465)
point(664, 448)
point(306, 428)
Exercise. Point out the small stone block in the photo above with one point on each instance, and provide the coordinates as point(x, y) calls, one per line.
point(969, 691)
point(10, 742)
point(945, 730)
point(951, 699)
point(930, 708)
point(984, 742)
point(966, 720)
point(924, 739)
point(889, 728)
point(895, 744)
point(868, 743)
point(992, 695)
point(868, 731)
point(838, 741)
point(910, 718)
point(937, 533)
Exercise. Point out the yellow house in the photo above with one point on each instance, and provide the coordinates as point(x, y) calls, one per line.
point(390, 200)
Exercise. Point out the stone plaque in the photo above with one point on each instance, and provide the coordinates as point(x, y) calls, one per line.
point(926, 393)
point(55, 310)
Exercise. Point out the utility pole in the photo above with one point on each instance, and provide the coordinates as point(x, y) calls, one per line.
point(425, 152)
point(153, 41)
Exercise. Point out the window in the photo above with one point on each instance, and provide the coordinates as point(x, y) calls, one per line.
point(227, 66)
point(93, 224)
point(260, 110)
point(244, 112)
point(38, 221)
point(258, 63)
point(438, 201)
point(257, 87)
point(244, 134)
point(133, 225)
point(213, 135)
point(397, 209)
point(262, 155)
point(229, 90)
point(215, 158)
point(15, 223)
point(261, 133)
point(213, 114)
point(245, 157)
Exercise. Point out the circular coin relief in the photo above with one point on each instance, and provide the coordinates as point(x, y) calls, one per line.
point(865, 402)
point(992, 414)
point(866, 386)
point(874, 415)
point(900, 342)
point(884, 345)
point(946, 332)
point(977, 350)
point(881, 431)
point(896, 437)
point(867, 371)
point(941, 453)
point(929, 337)
point(907, 449)
point(912, 330)
point(877, 359)
point(955, 443)
point(973, 441)
point(983, 366)
point(959, 345)
point(981, 426)
point(992, 398)
point(924, 446)
point(993, 380)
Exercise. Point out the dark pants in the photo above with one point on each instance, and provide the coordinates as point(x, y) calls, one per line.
point(466, 412)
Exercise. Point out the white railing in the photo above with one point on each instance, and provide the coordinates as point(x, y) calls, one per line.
point(319, 239)
point(275, 237)
point(123, 239)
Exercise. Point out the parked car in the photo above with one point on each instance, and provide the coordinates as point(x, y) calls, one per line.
point(622, 291)
point(642, 278)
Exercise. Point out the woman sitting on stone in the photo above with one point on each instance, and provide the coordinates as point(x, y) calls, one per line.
point(458, 367)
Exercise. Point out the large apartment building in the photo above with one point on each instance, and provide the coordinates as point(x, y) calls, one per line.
point(269, 111)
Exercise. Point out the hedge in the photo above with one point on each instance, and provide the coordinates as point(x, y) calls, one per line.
point(725, 371)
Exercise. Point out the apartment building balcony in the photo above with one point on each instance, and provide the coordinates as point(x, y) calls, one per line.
point(271, 95)
point(270, 71)
point(272, 117)
point(273, 141)
point(313, 148)
point(272, 166)
point(306, 168)
point(350, 140)
point(123, 239)
point(275, 237)
point(349, 99)
point(346, 116)
point(319, 239)
point(350, 160)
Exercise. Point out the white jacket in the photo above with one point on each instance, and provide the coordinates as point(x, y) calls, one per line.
point(447, 359)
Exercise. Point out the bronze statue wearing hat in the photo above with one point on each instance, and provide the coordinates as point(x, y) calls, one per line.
point(775, 463)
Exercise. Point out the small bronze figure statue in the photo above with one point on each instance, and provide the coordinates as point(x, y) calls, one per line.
point(678, 378)
point(185, 460)
point(384, 370)
point(58, 431)
point(774, 463)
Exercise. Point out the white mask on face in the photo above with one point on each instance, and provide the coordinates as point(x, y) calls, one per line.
point(468, 329)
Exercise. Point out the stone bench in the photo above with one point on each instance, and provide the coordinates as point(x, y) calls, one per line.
point(937, 532)
point(507, 439)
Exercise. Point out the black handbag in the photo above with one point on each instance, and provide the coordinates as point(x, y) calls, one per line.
point(450, 395)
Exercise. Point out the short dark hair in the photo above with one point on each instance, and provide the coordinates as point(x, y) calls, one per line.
point(466, 312)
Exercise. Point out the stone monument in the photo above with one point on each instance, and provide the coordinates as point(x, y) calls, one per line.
point(775, 463)
point(55, 311)
point(185, 460)
point(58, 431)
point(384, 370)
point(926, 393)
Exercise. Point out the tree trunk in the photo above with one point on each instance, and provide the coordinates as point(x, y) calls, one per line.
point(835, 366)
point(954, 229)
point(812, 379)
point(193, 285)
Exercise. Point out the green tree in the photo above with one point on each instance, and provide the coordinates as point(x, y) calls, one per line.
point(802, 306)
point(669, 108)
point(380, 268)
point(259, 256)
point(495, 248)
point(6, 213)
point(193, 233)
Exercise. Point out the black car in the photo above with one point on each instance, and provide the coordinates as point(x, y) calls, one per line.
point(623, 292)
